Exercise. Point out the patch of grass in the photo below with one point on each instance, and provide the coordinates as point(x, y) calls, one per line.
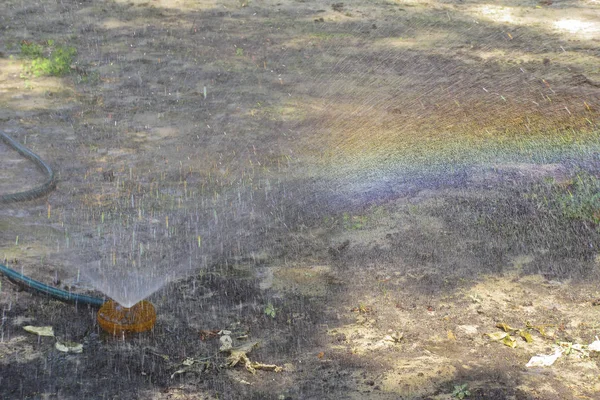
point(32, 50)
point(578, 198)
point(329, 36)
point(353, 221)
point(347, 221)
point(48, 59)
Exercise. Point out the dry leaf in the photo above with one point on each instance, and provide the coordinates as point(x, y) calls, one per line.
point(40, 330)
point(451, 335)
point(505, 327)
point(69, 347)
point(526, 336)
point(510, 341)
point(206, 334)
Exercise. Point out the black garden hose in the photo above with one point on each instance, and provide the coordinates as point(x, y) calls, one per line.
point(38, 191)
point(31, 194)
point(56, 293)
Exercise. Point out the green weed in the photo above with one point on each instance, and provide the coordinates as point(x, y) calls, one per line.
point(32, 50)
point(461, 391)
point(577, 199)
point(270, 310)
point(48, 59)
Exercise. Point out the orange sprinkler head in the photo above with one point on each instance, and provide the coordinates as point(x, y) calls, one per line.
point(117, 320)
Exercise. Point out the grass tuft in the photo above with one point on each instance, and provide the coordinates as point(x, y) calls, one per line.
point(48, 59)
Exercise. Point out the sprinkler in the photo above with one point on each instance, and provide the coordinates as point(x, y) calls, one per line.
point(118, 320)
point(112, 317)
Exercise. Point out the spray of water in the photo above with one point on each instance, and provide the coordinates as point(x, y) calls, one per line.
point(343, 114)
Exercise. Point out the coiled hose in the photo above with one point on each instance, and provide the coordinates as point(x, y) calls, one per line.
point(31, 194)
point(38, 191)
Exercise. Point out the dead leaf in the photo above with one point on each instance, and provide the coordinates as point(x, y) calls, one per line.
point(525, 335)
point(206, 334)
point(240, 353)
point(505, 327)
point(321, 355)
point(397, 336)
point(509, 341)
point(40, 330)
point(69, 347)
point(540, 329)
point(266, 367)
point(451, 335)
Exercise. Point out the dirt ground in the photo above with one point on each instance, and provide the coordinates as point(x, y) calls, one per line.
point(368, 189)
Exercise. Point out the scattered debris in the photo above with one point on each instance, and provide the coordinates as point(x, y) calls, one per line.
point(362, 309)
point(525, 335)
point(451, 335)
point(503, 337)
point(193, 365)
point(475, 298)
point(40, 330)
point(397, 336)
point(206, 334)
point(509, 340)
point(239, 355)
point(226, 343)
point(394, 337)
point(69, 347)
point(542, 360)
point(595, 345)
point(569, 348)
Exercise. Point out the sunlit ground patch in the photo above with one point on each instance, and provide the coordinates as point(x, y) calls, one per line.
point(581, 23)
point(19, 92)
point(175, 4)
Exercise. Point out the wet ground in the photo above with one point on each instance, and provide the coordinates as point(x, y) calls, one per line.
point(367, 190)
